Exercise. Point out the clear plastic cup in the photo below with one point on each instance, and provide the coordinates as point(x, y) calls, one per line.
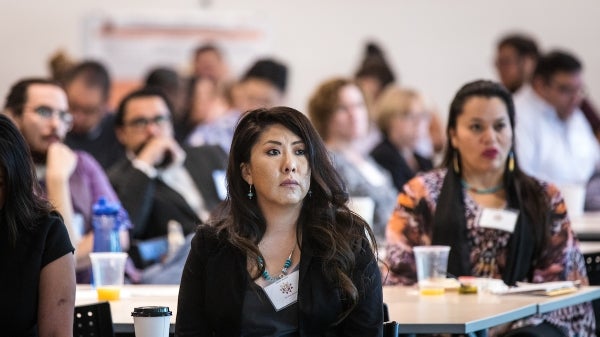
point(108, 270)
point(432, 264)
point(153, 321)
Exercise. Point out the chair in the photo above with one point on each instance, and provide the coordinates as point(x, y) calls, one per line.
point(592, 264)
point(93, 320)
point(386, 313)
point(390, 329)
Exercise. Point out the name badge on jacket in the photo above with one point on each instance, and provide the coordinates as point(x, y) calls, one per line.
point(284, 291)
point(501, 219)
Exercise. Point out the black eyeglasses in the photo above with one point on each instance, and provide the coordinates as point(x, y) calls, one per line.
point(48, 113)
point(141, 123)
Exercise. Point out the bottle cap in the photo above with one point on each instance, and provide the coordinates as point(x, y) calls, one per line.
point(103, 207)
point(151, 311)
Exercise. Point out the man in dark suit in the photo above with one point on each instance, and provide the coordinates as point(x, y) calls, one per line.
point(159, 182)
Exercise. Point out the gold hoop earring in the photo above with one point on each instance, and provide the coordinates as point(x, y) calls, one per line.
point(511, 162)
point(455, 163)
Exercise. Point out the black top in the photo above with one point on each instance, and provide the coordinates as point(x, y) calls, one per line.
point(261, 319)
point(20, 276)
point(215, 280)
point(101, 142)
point(388, 156)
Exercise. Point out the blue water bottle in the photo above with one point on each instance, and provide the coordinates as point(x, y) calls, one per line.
point(106, 226)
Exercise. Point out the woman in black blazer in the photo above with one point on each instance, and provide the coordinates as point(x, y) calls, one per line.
point(285, 256)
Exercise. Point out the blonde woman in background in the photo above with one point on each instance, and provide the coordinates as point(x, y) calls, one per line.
point(399, 114)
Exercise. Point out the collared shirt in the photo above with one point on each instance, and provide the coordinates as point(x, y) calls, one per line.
point(555, 150)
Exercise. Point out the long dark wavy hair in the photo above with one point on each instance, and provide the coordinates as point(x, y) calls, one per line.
point(335, 233)
point(528, 191)
point(24, 205)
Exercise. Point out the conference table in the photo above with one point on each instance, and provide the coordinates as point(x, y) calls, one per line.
point(132, 296)
point(466, 313)
point(448, 313)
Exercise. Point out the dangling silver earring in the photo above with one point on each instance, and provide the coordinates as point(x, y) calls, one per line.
point(250, 194)
point(310, 193)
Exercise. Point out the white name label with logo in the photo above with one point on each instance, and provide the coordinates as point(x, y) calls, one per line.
point(284, 291)
point(501, 219)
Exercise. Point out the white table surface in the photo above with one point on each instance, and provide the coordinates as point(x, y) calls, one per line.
point(453, 312)
point(585, 294)
point(464, 313)
point(132, 296)
point(415, 313)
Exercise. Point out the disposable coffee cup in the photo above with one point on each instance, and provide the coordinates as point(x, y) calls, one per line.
point(432, 264)
point(153, 321)
point(108, 270)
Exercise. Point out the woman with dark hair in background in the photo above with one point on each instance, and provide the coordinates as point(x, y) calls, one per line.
point(285, 227)
point(36, 255)
point(499, 222)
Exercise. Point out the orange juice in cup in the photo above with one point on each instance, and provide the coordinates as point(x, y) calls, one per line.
point(431, 263)
point(108, 293)
point(108, 271)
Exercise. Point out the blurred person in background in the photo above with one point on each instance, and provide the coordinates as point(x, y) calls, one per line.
point(339, 112)
point(172, 85)
point(207, 117)
point(516, 57)
point(210, 62)
point(263, 85)
point(399, 115)
point(159, 181)
point(554, 140)
point(87, 86)
point(499, 222)
point(72, 180)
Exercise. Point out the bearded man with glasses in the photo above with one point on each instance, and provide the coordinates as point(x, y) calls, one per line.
point(160, 182)
point(72, 180)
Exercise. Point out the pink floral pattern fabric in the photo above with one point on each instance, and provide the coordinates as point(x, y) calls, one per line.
point(561, 260)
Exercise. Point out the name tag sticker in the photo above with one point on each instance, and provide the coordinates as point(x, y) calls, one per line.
point(283, 292)
point(501, 219)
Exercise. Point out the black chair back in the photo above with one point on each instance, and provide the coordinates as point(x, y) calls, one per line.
point(390, 329)
point(93, 320)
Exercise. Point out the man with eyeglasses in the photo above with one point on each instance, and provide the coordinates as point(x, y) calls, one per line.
point(160, 182)
point(88, 88)
point(554, 141)
point(72, 180)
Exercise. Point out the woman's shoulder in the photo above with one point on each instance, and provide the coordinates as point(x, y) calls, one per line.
point(426, 184)
point(209, 239)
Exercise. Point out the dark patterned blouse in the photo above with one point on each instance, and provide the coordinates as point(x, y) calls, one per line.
point(561, 260)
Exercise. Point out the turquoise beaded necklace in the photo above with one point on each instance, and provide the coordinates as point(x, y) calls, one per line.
point(489, 190)
point(286, 265)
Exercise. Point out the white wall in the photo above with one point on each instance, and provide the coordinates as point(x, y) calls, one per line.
point(434, 45)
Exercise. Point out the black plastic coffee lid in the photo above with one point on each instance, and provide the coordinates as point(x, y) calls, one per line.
point(151, 312)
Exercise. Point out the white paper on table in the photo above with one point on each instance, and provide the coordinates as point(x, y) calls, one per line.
point(523, 287)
